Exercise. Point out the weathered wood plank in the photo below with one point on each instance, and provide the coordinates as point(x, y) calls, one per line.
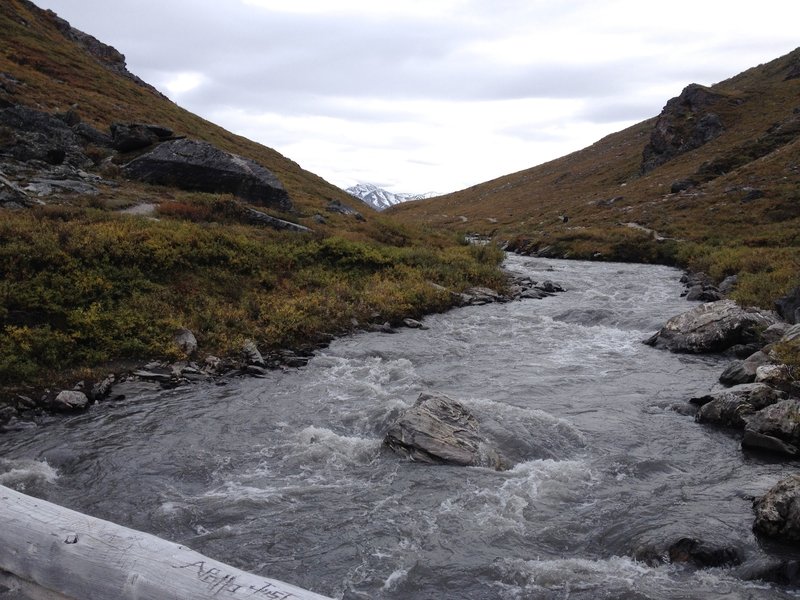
point(85, 558)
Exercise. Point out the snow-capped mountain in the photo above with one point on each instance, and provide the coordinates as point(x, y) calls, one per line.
point(380, 199)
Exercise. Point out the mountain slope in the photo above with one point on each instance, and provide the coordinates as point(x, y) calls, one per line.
point(718, 172)
point(381, 199)
point(98, 267)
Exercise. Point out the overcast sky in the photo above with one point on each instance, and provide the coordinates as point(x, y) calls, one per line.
point(435, 95)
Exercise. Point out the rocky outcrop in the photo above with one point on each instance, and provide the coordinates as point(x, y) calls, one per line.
point(199, 166)
point(439, 430)
point(731, 407)
point(712, 327)
point(778, 511)
point(127, 137)
point(32, 135)
point(106, 55)
point(685, 123)
point(335, 206)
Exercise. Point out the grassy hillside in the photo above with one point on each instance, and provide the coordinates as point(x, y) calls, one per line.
point(740, 215)
point(83, 283)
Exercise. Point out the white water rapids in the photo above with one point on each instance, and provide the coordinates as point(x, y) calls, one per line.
point(287, 477)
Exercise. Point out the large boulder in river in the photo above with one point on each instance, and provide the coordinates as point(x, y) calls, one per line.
point(199, 166)
point(439, 430)
point(713, 327)
point(778, 511)
point(686, 122)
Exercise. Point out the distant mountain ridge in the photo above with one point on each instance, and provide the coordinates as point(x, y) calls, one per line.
point(381, 199)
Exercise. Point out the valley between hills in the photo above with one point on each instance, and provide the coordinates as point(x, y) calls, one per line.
point(107, 252)
point(142, 244)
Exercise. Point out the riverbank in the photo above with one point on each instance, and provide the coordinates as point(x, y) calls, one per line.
point(70, 393)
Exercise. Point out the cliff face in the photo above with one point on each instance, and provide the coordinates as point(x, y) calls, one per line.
point(106, 55)
point(686, 123)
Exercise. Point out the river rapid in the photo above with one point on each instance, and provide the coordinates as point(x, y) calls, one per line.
point(286, 476)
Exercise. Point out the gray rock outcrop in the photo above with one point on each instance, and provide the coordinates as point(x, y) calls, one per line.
point(127, 137)
point(36, 135)
point(778, 511)
point(712, 327)
point(199, 166)
point(685, 123)
point(440, 430)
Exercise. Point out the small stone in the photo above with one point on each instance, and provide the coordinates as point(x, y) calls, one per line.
point(102, 389)
point(413, 323)
point(256, 371)
point(70, 401)
point(251, 354)
point(186, 341)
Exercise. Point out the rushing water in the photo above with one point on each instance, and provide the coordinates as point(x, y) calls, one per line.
point(286, 476)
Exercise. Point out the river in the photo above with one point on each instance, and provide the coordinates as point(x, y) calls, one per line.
point(286, 476)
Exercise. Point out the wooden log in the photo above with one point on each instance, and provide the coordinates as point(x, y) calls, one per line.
point(83, 558)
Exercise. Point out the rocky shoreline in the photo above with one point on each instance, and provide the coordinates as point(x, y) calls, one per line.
point(758, 398)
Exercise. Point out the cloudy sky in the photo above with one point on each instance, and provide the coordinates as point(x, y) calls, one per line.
point(432, 95)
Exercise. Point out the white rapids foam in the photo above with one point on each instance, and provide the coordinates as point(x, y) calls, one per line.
point(19, 473)
point(522, 579)
point(505, 507)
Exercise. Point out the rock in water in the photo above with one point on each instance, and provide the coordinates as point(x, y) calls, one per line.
point(732, 407)
point(744, 371)
point(778, 511)
point(780, 421)
point(439, 430)
point(199, 166)
point(701, 554)
point(712, 327)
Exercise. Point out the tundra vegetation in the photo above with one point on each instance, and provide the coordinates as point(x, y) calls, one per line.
point(86, 283)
